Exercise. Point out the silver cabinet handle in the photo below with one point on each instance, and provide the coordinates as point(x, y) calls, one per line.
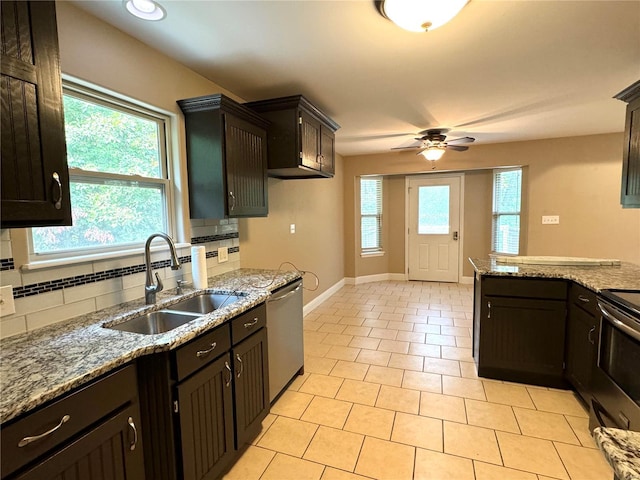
point(27, 440)
point(132, 425)
point(250, 324)
point(204, 353)
point(489, 307)
point(241, 366)
point(591, 340)
point(58, 203)
point(228, 382)
point(233, 204)
point(583, 299)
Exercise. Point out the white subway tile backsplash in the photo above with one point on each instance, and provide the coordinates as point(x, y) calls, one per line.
point(11, 277)
point(13, 326)
point(135, 280)
point(116, 298)
point(75, 294)
point(36, 303)
point(58, 314)
point(5, 234)
point(5, 249)
point(36, 276)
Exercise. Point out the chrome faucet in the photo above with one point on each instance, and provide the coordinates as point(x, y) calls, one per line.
point(151, 288)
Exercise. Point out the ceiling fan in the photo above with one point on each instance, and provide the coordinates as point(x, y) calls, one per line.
point(432, 143)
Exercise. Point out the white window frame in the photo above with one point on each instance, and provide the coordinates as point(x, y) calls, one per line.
point(101, 96)
point(496, 214)
point(377, 250)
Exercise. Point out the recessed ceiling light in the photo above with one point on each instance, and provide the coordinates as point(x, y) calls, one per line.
point(145, 9)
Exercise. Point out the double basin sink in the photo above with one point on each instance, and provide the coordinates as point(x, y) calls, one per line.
point(175, 315)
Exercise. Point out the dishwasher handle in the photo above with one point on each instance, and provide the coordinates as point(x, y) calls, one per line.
point(283, 296)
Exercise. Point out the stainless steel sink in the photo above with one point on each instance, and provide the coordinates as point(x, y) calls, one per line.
point(204, 303)
point(155, 322)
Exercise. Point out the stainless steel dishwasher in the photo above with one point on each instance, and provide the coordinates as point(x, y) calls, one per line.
point(284, 334)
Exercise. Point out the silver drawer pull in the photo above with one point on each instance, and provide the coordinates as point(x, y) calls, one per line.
point(583, 299)
point(204, 353)
point(27, 440)
point(251, 323)
point(228, 382)
point(58, 203)
point(132, 425)
point(241, 366)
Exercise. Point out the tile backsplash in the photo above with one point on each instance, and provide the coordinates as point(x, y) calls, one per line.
point(51, 295)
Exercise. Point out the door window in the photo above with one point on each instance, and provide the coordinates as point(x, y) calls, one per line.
point(433, 210)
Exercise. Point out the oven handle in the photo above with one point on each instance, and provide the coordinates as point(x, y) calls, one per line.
point(619, 322)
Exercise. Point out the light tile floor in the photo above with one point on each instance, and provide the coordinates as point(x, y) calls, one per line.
point(390, 391)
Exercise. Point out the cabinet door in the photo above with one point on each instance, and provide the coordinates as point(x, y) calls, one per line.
point(112, 450)
point(250, 359)
point(630, 196)
point(310, 142)
point(35, 181)
point(206, 421)
point(327, 150)
point(246, 168)
point(522, 339)
point(581, 349)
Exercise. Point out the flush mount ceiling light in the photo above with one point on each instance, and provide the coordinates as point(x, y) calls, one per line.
point(145, 9)
point(433, 153)
point(420, 15)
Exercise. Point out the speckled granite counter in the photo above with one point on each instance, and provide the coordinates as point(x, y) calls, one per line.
point(41, 365)
point(621, 448)
point(624, 276)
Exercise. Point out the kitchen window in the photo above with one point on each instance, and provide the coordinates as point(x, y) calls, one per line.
point(507, 200)
point(371, 214)
point(119, 182)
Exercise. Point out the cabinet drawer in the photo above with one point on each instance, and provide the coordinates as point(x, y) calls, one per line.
point(201, 351)
point(524, 288)
point(583, 298)
point(73, 413)
point(248, 323)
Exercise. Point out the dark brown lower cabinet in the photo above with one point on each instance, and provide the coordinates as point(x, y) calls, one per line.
point(205, 400)
point(206, 420)
point(251, 386)
point(519, 330)
point(107, 452)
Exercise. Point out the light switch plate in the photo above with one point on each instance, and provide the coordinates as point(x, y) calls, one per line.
point(223, 254)
point(292, 228)
point(7, 306)
point(550, 219)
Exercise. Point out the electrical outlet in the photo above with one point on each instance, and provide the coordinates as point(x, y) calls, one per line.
point(223, 254)
point(292, 228)
point(7, 307)
point(550, 219)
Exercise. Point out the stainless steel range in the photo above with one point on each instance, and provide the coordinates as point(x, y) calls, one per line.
point(616, 380)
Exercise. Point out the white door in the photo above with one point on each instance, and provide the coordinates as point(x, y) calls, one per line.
point(434, 226)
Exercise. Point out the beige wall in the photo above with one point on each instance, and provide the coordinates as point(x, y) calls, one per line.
point(577, 178)
point(315, 206)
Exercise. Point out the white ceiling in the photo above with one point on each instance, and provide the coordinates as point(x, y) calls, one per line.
point(500, 71)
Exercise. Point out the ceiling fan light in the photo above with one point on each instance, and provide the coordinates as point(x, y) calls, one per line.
point(433, 153)
point(421, 15)
point(145, 9)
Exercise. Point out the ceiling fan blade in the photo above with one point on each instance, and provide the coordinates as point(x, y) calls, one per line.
point(457, 148)
point(461, 140)
point(407, 148)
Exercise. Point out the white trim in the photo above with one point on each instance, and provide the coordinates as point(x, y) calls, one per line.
point(466, 280)
point(61, 262)
point(380, 277)
point(315, 303)
point(372, 254)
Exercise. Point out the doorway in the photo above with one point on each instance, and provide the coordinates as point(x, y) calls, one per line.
point(433, 235)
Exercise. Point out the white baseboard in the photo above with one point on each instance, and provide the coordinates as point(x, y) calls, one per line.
point(466, 280)
point(380, 277)
point(315, 303)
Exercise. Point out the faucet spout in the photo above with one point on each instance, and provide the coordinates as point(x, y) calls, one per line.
point(150, 287)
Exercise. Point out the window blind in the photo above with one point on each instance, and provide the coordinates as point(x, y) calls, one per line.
point(507, 197)
point(371, 213)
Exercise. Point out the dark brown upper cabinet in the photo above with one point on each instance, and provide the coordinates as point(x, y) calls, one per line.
point(226, 158)
point(301, 138)
point(630, 194)
point(35, 179)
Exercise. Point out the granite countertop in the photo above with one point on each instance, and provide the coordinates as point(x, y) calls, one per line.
point(621, 448)
point(625, 276)
point(39, 366)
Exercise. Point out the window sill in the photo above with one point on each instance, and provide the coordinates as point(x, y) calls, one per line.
point(62, 262)
point(372, 254)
